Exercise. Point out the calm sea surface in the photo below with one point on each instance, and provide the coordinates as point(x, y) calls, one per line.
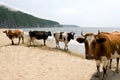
point(77, 30)
point(73, 44)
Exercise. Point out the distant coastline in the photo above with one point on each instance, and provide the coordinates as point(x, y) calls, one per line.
point(68, 25)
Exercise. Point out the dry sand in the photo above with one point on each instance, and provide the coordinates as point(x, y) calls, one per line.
point(20, 62)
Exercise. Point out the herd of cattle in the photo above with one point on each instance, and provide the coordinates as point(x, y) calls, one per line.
point(103, 46)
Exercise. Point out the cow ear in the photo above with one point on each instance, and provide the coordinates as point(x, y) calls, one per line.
point(5, 31)
point(68, 33)
point(100, 40)
point(80, 40)
point(73, 33)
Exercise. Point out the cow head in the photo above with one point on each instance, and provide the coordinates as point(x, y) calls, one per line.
point(30, 32)
point(91, 42)
point(5, 31)
point(49, 33)
point(70, 35)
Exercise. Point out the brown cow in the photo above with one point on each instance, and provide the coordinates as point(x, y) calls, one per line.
point(103, 47)
point(15, 34)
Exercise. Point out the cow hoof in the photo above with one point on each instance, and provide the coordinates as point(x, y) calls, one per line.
point(105, 78)
point(117, 71)
point(109, 67)
point(97, 75)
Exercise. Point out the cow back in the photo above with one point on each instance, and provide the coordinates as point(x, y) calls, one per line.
point(39, 34)
point(108, 47)
point(14, 33)
point(104, 48)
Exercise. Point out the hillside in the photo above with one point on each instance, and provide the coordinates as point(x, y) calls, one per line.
point(11, 18)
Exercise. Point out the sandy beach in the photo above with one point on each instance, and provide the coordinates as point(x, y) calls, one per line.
point(20, 62)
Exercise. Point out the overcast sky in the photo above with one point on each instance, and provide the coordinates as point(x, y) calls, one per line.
point(92, 13)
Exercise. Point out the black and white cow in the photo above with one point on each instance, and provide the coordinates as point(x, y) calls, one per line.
point(63, 37)
point(39, 35)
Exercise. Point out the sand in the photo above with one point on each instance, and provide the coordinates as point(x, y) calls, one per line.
point(22, 62)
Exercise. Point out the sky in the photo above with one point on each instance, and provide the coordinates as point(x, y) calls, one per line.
point(86, 13)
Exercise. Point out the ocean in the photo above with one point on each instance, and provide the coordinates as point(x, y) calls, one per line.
point(73, 45)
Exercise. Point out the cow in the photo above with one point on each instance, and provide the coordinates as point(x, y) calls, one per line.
point(15, 33)
point(104, 47)
point(39, 35)
point(63, 37)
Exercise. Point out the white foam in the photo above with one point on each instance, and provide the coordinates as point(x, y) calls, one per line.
point(77, 47)
point(26, 33)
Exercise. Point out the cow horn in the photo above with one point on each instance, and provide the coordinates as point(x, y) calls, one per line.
point(98, 31)
point(82, 34)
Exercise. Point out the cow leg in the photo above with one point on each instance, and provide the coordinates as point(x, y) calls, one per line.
point(44, 42)
point(19, 40)
point(98, 68)
point(66, 47)
point(57, 44)
point(105, 68)
point(12, 41)
point(117, 68)
point(32, 40)
point(104, 72)
point(22, 39)
point(110, 64)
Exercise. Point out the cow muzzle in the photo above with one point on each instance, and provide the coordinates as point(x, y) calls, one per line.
point(89, 56)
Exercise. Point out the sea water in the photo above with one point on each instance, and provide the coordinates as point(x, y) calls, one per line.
point(73, 45)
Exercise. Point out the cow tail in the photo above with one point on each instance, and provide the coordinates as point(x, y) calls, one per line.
point(54, 34)
point(23, 39)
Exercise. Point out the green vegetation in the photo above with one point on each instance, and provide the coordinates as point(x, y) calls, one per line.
point(16, 19)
